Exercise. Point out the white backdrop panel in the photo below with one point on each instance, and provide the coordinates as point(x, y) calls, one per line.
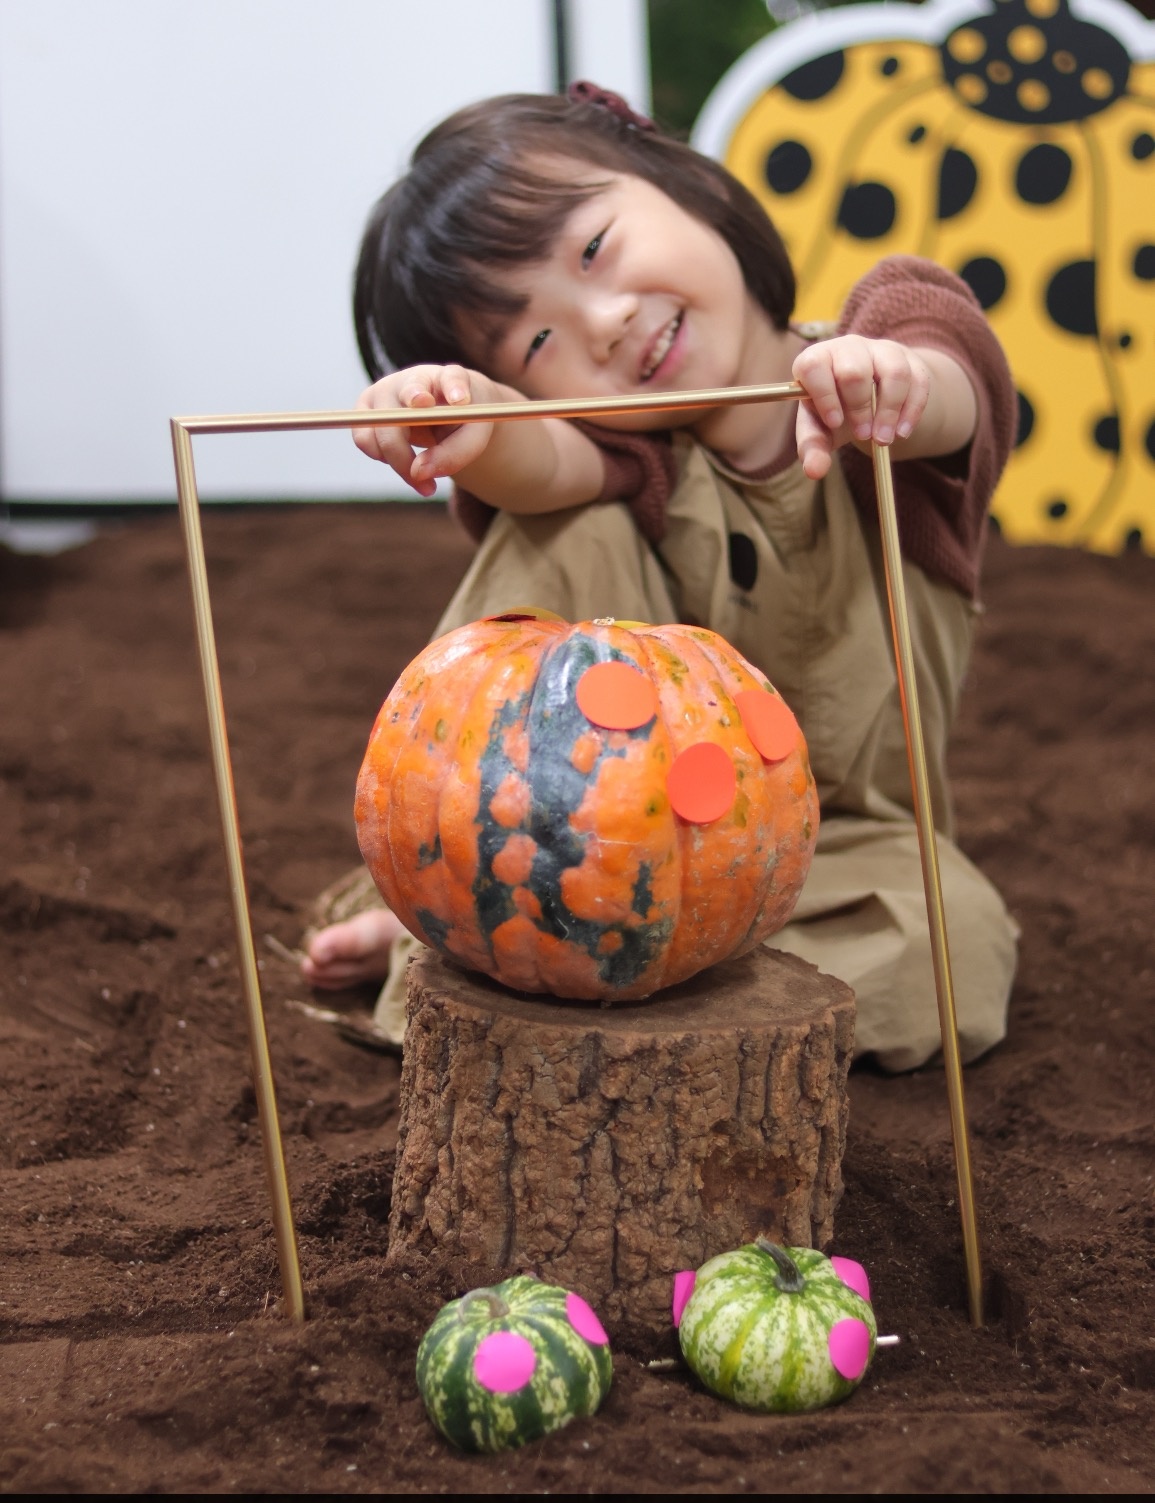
point(182, 191)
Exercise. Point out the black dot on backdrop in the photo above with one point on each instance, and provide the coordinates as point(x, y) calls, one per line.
point(916, 134)
point(867, 210)
point(1043, 174)
point(1057, 509)
point(1133, 542)
point(1149, 440)
point(1142, 146)
point(787, 166)
point(1144, 263)
point(743, 561)
point(1026, 420)
point(1070, 298)
point(958, 178)
point(985, 278)
point(888, 67)
point(1107, 434)
point(814, 80)
point(1124, 341)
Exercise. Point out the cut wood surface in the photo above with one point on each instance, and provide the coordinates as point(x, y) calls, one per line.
point(605, 1149)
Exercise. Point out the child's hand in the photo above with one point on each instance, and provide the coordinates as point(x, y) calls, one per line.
point(447, 447)
point(839, 376)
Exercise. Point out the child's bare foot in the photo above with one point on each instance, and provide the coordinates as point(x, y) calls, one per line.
point(353, 952)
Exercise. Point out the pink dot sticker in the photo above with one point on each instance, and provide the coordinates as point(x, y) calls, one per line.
point(769, 722)
point(853, 1275)
point(701, 783)
point(504, 1362)
point(849, 1347)
point(617, 696)
point(584, 1321)
point(683, 1287)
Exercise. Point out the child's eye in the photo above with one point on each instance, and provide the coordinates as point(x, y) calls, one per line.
point(536, 343)
point(592, 248)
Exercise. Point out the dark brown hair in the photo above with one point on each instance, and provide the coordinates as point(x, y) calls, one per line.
point(477, 199)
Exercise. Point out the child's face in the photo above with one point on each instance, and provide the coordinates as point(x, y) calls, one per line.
point(637, 296)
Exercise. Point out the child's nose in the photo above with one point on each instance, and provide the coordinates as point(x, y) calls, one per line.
point(608, 319)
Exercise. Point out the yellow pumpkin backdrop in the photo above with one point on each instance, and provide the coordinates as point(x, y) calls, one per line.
point(1012, 141)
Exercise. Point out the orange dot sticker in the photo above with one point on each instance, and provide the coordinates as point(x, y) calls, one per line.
point(702, 783)
point(769, 723)
point(616, 696)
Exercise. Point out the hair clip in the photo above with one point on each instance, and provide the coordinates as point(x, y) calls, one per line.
point(584, 92)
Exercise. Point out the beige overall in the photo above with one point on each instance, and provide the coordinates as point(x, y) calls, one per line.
point(814, 619)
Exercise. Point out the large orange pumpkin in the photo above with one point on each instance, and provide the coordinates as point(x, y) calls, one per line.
point(584, 809)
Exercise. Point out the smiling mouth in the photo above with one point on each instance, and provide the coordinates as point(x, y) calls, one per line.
point(661, 346)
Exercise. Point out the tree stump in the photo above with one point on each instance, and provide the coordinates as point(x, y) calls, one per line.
point(605, 1149)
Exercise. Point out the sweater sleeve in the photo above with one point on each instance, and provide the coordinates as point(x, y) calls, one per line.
point(942, 503)
point(640, 469)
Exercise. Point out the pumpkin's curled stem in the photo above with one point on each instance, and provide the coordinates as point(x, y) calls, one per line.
point(497, 1306)
point(788, 1279)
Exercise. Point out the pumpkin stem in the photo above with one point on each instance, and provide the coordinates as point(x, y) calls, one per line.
point(497, 1306)
point(788, 1279)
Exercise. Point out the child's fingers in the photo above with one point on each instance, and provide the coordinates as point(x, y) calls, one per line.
point(454, 385)
point(398, 448)
point(418, 388)
point(451, 386)
point(368, 439)
point(382, 443)
point(902, 383)
point(421, 453)
point(838, 375)
point(815, 442)
point(814, 368)
point(917, 397)
point(421, 398)
point(874, 388)
point(451, 449)
point(387, 445)
point(853, 366)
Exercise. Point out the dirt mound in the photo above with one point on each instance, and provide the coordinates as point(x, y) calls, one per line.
point(139, 1343)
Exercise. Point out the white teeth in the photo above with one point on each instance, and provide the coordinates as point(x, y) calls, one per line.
point(662, 348)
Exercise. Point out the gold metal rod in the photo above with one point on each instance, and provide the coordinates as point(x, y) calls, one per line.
point(189, 502)
point(588, 407)
point(274, 1152)
point(932, 883)
point(492, 412)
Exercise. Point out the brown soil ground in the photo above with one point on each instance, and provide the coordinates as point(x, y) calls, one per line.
point(141, 1348)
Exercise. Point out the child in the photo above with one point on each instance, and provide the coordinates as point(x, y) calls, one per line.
point(562, 247)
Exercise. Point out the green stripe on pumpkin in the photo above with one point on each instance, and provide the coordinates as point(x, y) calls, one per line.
point(571, 1378)
point(764, 1347)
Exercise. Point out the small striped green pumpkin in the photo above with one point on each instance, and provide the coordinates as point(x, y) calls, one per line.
point(503, 1366)
point(759, 1329)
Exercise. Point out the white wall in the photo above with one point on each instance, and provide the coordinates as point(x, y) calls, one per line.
point(182, 191)
point(609, 45)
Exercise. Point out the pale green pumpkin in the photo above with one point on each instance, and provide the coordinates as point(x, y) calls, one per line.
point(566, 1373)
point(757, 1328)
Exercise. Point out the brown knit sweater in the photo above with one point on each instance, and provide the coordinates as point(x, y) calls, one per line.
point(942, 503)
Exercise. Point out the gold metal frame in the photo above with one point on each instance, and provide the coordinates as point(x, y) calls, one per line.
point(183, 430)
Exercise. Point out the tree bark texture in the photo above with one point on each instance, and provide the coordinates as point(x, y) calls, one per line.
point(605, 1149)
